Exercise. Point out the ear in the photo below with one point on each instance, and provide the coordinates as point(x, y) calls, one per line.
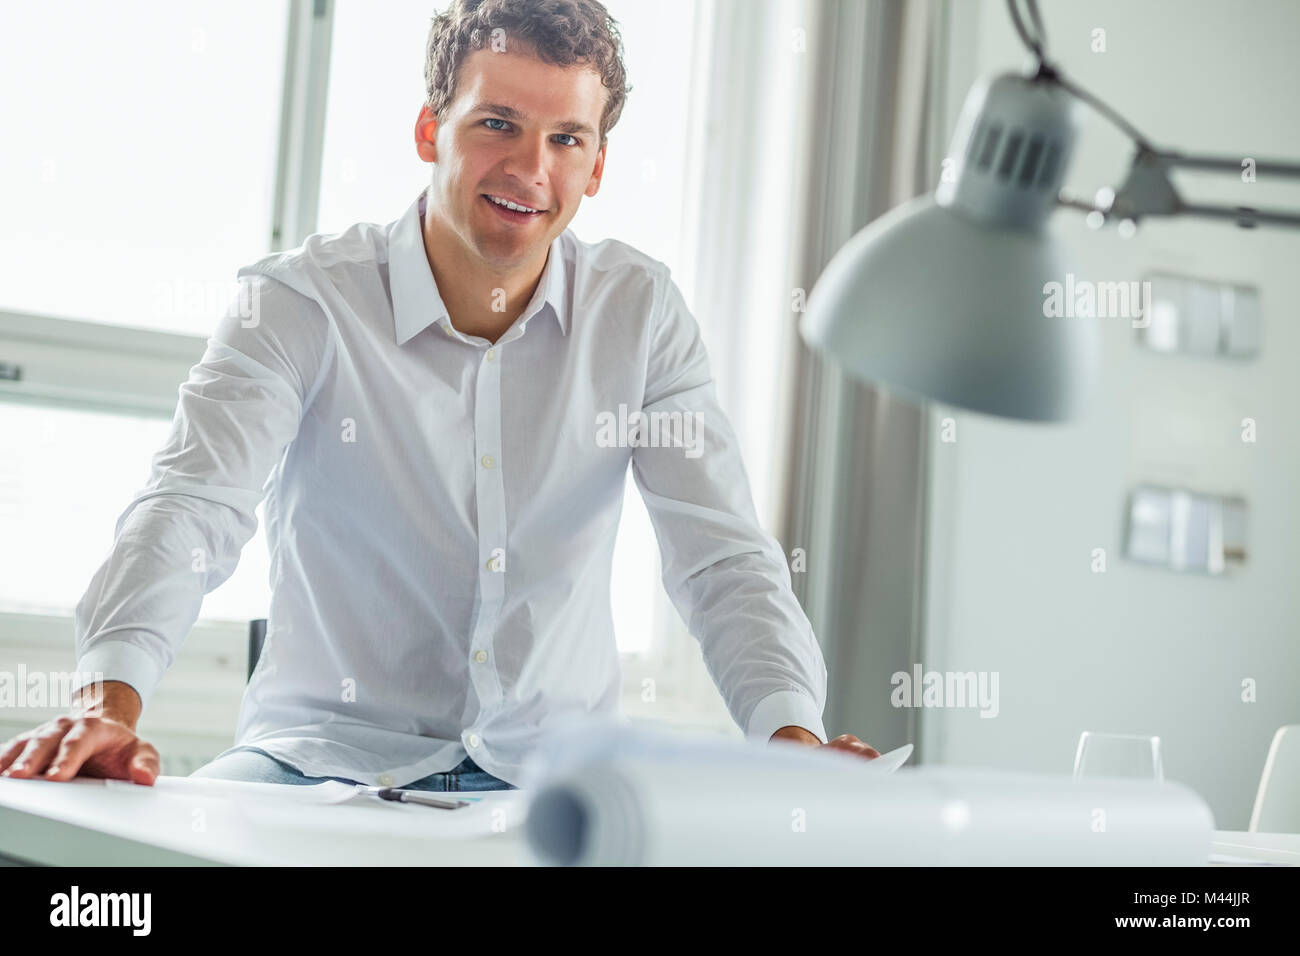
point(426, 132)
point(593, 185)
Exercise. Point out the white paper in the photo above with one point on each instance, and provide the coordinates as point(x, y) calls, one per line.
point(617, 797)
point(584, 741)
point(490, 812)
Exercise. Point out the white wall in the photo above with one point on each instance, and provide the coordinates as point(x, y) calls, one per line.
point(1017, 509)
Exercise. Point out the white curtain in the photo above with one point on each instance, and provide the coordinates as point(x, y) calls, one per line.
point(856, 490)
point(751, 64)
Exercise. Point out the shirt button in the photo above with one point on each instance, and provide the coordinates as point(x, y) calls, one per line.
point(473, 740)
point(385, 779)
point(488, 461)
point(480, 656)
point(491, 354)
point(493, 564)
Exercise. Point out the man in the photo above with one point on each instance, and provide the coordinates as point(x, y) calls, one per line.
point(428, 408)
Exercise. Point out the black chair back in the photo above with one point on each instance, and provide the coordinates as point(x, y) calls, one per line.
point(256, 638)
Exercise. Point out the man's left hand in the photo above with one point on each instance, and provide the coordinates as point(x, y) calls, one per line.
point(845, 742)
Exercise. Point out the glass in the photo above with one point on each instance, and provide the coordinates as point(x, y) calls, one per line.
point(141, 166)
point(1118, 755)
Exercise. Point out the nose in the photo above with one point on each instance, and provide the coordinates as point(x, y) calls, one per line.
point(527, 161)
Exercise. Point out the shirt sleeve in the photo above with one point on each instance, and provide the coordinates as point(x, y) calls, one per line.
point(727, 577)
point(181, 535)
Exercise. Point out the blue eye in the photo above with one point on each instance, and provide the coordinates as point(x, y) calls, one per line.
point(504, 124)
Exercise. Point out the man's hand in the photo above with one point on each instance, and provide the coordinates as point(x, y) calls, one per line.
point(97, 739)
point(845, 742)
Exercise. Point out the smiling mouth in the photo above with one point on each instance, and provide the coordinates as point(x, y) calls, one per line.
point(511, 209)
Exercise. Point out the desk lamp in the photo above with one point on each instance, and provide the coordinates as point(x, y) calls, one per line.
point(943, 297)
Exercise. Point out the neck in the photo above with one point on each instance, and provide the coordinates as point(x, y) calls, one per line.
point(480, 301)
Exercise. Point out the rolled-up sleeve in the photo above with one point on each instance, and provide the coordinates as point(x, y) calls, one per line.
point(726, 576)
point(181, 535)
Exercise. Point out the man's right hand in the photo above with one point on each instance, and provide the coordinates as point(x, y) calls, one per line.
point(97, 739)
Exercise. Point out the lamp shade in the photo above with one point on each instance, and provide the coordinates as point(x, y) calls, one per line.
point(945, 297)
point(943, 308)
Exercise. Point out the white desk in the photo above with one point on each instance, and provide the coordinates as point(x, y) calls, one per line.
point(90, 823)
point(1279, 848)
point(86, 822)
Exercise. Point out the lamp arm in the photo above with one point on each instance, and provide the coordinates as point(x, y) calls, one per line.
point(1244, 216)
point(1226, 164)
point(1048, 72)
point(1148, 190)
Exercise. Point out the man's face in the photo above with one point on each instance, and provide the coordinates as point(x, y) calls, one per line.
point(519, 129)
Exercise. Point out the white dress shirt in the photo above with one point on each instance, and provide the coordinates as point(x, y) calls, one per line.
point(441, 511)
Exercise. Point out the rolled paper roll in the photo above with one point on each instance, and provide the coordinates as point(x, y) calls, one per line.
point(638, 799)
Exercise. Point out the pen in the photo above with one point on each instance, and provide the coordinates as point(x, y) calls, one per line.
point(414, 796)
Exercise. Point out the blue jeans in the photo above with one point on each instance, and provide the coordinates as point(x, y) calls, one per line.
point(257, 766)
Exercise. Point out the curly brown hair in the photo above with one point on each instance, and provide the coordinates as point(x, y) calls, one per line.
point(562, 32)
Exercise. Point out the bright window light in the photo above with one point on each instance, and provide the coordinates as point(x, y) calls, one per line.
point(65, 477)
point(139, 166)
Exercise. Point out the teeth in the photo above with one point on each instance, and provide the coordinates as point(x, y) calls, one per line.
point(511, 205)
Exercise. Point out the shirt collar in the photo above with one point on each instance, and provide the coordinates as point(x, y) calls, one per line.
point(416, 302)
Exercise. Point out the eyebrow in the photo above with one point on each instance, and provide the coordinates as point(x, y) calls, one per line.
point(572, 127)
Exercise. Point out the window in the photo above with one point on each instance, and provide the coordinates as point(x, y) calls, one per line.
point(145, 176)
point(65, 477)
point(150, 133)
point(369, 169)
point(645, 169)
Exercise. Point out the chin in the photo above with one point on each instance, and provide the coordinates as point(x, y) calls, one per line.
point(504, 258)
